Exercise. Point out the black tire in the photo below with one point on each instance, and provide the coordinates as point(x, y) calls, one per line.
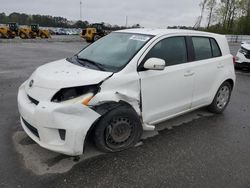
point(23, 36)
point(218, 106)
point(96, 37)
point(118, 130)
point(10, 35)
point(43, 36)
point(32, 36)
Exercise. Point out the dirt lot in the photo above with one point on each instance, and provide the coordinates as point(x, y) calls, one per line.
point(198, 149)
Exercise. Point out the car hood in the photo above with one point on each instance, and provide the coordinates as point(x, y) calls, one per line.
point(63, 74)
point(246, 46)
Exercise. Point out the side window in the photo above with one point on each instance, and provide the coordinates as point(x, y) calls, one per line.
point(215, 48)
point(172, 50)
point(202, 48)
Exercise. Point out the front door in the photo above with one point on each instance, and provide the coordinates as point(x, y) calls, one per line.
point(167, 92)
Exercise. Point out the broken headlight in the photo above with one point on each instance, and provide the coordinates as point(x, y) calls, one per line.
point(81, 94)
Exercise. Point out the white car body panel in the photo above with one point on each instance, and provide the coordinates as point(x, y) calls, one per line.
point(169, 97)
point(203, 71)
point(63, 74)
point(240, 58)
point(48, 117)
point(154, 95)
point(246, 45)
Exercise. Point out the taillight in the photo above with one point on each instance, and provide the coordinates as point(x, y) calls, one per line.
point(234, 60)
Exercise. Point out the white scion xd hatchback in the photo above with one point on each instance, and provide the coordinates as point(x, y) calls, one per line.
point(124, 83)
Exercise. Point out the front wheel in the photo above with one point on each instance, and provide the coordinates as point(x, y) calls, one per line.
point(43, 36)
point(221, 98)
point(118, 130)
point(23, 36)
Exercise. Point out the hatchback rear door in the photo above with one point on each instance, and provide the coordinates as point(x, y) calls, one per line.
point(208, 65)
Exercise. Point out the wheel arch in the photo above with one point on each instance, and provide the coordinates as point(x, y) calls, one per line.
point(231, 82)
point(102, 108)
point(215, 88)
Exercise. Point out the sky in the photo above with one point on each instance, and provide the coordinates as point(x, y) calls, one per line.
point(153, 13)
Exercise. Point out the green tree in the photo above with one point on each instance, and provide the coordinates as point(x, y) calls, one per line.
point(211, 5)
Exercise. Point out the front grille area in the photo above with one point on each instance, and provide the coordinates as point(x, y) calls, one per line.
point(33, 100)
point(31, 128)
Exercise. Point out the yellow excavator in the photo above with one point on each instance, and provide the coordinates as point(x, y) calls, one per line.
point(94, 32)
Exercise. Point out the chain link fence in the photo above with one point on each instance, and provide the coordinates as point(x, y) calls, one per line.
point(237, 38)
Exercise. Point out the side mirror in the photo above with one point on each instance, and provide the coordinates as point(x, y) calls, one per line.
point(155, 64)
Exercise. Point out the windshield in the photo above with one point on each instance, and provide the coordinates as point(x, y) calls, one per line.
point(114, 51)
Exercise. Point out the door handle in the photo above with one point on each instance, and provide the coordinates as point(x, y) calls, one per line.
point(189, 73)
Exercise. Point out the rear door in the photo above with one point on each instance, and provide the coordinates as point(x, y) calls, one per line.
point(207, 66)
point(167, 92)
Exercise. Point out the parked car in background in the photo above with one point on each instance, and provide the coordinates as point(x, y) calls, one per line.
point(242, 59)
point(245, 42)
point(123, 83)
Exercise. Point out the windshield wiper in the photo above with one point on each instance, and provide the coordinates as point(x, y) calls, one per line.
point(98, 65)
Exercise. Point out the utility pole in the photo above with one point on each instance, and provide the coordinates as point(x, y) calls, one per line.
point(126, 21)
point(81, 10)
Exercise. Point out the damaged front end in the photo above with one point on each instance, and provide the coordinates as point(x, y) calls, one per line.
point(56, 126)
point(59, 118)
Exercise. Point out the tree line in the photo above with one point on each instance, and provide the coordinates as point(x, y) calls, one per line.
point(42, 20)
point(226, 16)
point(51, 21)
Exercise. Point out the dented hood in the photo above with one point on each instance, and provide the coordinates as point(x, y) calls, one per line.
point(63, 74)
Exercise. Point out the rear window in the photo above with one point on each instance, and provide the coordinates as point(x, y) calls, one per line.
point(202, 48)
point(215, 48)
point(205, 48)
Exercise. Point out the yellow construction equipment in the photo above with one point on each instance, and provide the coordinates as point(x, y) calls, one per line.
point(9, 31)
point(94, 32)
point(33, 31)
point(37, 32)
point(24, 33)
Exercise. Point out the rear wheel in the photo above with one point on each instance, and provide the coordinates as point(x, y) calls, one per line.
point(118, 129)
point(221, 98)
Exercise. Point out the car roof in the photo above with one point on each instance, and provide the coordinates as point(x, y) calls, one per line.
point(159, 32)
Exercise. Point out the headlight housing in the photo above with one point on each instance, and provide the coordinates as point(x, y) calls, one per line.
point(75, 94)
